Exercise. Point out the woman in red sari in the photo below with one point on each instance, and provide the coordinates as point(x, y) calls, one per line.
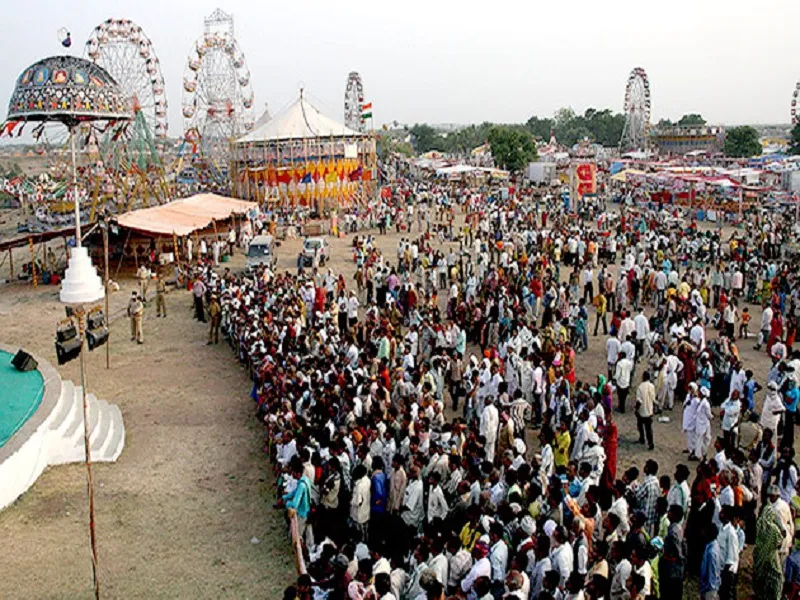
point(775, 330)
point(609, 432)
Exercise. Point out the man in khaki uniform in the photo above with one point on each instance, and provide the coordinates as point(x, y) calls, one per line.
point(161, 301)
point(143, 275)
point(136, 312)
point(215, 313)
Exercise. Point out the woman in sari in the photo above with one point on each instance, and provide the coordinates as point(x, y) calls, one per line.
point(767, 572)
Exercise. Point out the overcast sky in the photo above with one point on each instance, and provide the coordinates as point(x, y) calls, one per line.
point(442, 61)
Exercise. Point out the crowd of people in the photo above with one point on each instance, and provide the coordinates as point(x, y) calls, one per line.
point(432, 437)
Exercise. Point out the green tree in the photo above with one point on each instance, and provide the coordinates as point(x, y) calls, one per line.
point(512, 147)
point(691, 119)
point(540, 128)
point(794, 146)
point(742, 142)
point(425, 138)
point(663, 123)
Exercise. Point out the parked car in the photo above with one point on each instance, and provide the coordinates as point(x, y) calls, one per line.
point(261, 251)
point(315, 252)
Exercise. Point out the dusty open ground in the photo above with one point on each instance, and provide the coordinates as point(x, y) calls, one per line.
point(176, 514)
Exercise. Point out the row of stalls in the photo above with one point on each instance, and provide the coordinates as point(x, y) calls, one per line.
point(707, 191)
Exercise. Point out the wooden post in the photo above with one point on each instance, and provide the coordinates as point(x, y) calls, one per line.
point(107, 314)
point(11, 261)
point(33, 263)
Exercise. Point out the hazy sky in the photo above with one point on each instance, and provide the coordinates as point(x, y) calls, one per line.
point(443, 61)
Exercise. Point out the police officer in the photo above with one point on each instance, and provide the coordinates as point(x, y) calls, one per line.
point(161, 292)
point(136, 312)
point(143, 275)
point(215, 313)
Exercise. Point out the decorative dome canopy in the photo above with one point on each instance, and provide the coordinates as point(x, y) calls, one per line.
point(67, 89)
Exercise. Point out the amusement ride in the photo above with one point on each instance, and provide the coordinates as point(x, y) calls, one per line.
point(132, 154)
point(217, 104)
point(354, 102)
point(636, 131)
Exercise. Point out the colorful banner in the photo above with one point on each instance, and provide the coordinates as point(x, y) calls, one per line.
point(586, 175)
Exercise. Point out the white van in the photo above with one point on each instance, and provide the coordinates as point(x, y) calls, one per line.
point(261, 251)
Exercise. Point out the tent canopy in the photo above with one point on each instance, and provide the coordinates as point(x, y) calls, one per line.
point(300, 120)
point(184, 216)
point(623, 175)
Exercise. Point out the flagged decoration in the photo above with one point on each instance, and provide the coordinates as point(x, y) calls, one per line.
point(366, 111)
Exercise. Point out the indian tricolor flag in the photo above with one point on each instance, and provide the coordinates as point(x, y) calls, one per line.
point(366, 111)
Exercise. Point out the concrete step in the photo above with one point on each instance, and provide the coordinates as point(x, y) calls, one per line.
point(103, 428)
point(94, 414)
point(75, 427)
point(116, 440)
point(66, 404)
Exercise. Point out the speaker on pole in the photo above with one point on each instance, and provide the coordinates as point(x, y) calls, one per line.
point(23, 361)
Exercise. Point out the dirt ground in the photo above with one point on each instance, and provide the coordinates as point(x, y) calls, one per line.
point(176, 513)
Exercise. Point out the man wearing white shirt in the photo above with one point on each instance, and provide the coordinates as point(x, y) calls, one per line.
point(542, 566)
point(766, 322)
point(627, 326)
point(561, 557)
point(612, 354)
point(731, 410)
point(702, 431)
point(728, 541)
point(352, 309)
point(642, 326)
point(413, 511)
point(689, 422)
point(628, 348)
point(498, 556)
point(697, 334)
point(588, 284)
point(622, 377)
point(439, 563)
point(437, 505)
point(481, 568)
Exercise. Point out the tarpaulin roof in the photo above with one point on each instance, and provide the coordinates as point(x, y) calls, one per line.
point(623, 175)
point(186, 215)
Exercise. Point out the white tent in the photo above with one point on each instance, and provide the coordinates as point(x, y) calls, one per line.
point(300, 120)
point(455, 170)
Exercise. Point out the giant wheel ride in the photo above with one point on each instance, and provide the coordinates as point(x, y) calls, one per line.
point(353, 102)
point(217, 102)
point(795, 112)
point(132, 153)
point(637, 112)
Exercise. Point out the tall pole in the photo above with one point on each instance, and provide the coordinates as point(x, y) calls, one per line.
point(107, 314)
point(87, 447)
point(75, 200)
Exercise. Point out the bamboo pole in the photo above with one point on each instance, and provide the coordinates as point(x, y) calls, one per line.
point(33, 263)
point(122, 257)
point(107, 314)
point(88, 454)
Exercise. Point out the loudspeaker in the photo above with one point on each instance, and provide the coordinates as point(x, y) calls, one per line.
point(24, 361)
point(66, 351)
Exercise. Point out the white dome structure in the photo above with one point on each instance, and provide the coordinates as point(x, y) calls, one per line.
point(81, 285)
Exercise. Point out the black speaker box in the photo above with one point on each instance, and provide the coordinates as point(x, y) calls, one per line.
point(23, 361)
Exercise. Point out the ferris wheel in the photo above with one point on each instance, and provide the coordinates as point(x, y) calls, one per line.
point(123, 49)
point(795, 112)
point(637, 111)
point(353, 102)
point(217, 95)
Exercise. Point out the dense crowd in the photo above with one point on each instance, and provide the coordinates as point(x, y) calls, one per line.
point(431, 435)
